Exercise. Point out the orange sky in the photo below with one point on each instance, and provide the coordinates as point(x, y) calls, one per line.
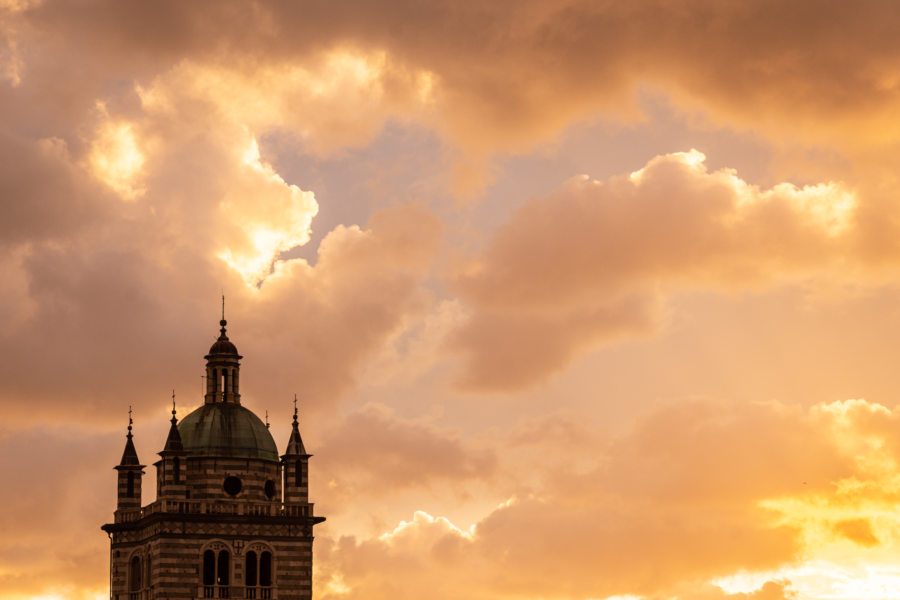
point(582, 300)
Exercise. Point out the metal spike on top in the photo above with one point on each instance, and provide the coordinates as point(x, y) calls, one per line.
point(173, 406)
point(295, 409)
point(130, 421)
point(267, 418)
point(223, 322)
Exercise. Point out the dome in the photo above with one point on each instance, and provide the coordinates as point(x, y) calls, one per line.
point(228, 430)
point(223, 345)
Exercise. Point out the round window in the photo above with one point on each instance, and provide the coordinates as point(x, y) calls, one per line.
point(232, 485)
point(270, 489)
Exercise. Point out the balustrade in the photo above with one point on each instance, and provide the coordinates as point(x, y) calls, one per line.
point(236, 592)
point(200, 507)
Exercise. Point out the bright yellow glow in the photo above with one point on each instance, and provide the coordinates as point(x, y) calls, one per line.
point(337, 586)
point(849, 532)
point(692, 157)
point(828, 204)
point(340, 68)
point(63, 593)
point(116, 159)
point(745, 583)
point(422, 518)
point(824, 580)
point(273, 215)
point(338, 98)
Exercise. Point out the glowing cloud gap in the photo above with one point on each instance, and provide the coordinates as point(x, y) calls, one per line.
point(273, 218)
point(116, 158)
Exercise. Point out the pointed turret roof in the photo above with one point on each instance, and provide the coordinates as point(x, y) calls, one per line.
point(295, 443)
point(129, 456)
point(173, 441)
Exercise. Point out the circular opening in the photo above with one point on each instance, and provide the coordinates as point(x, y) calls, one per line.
point(270, 489)
point(232, 485)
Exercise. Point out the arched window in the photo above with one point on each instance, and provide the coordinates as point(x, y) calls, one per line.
point(298, 473)
point(250, 571)
point(134, 574)
point(224, 564)
point(130, 491)
point(265, 569)
point(224, 383)
point(209, 568)
point(176, 470)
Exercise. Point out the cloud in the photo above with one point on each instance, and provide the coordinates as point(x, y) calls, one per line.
point(99, 299)
point(135, 191)
point(161, 186)
point(680, 501)
point(510, 75)
point(770, 590)
point(329, 318)
point(857, 530)
point(46, 195)
point(589, 262)
point(375, 452)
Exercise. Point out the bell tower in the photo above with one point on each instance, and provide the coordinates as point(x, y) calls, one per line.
point(222, 525)
point(223, 368)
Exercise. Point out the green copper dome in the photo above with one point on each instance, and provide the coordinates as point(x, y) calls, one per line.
point(228, 430)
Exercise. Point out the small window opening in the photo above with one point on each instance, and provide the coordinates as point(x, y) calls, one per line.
point(209, 568)
point(134, 574)
point(265, 569)
point(250, 572)
point(224, 564)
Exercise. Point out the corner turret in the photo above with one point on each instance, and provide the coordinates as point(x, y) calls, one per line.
point(130, 471)
point(170, 479)
point(295, 467)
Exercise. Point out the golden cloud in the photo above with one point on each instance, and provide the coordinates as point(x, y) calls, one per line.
point(589, 262)
point(680, 506)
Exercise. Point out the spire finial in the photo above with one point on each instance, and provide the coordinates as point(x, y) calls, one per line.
point(130, 421)
point(295, 409)
point(173, 406)
point(223, 322)
point(267, 418)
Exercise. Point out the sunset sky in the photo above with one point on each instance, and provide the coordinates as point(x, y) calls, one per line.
point(581, 299)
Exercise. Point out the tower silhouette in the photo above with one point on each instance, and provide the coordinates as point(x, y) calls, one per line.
point(231, 519)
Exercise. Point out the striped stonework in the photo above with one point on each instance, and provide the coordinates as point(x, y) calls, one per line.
point(169, 537)
point(230, 520)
